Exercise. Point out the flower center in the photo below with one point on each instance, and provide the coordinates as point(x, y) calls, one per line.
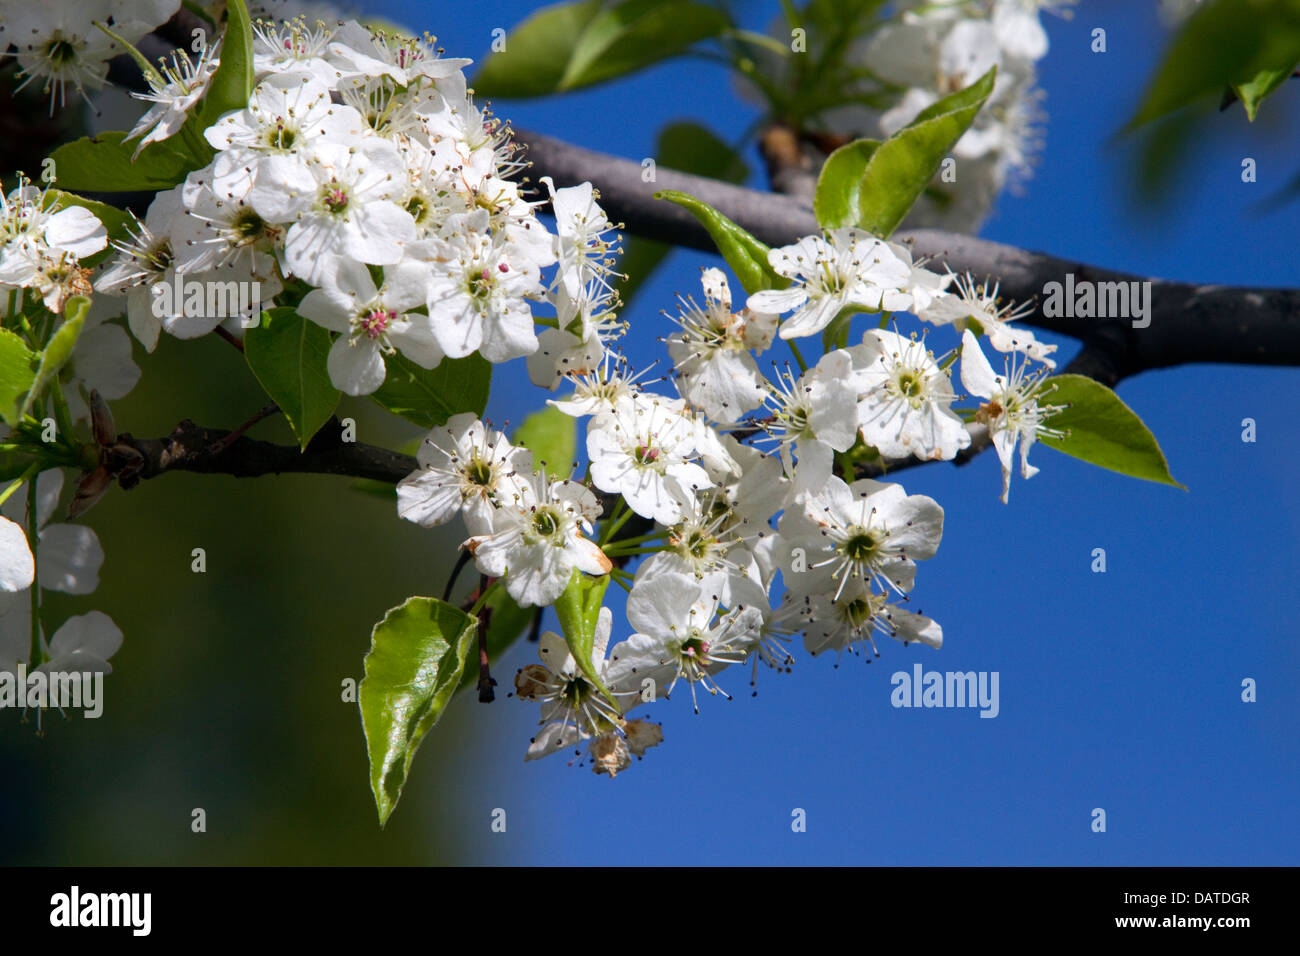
point(61, 52)
point(797, 417)
point(374, 322)
point(576, 691)
point(859, 612)
point(697, 544)
point(418, 208)
point(479, 472)
point(695, 647)
point(910, 384)
point(480, 284)
point(545, 523)
point(831, 280)
point(248, 225)
point(645, 454)
point(335, 199)
point(281, 137)
point(160, 255)
point(862, 545)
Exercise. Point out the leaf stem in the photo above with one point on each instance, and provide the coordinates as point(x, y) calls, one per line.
point(486, 586)
point(798, 358)
point(27, 475)
point(616, 520)
point(638, 539)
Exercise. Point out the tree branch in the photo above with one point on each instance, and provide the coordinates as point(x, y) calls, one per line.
point(214, 451)
point(193, 448)
point(1189, 322)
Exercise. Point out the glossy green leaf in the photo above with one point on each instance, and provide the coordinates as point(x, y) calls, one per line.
point(1223, 44)
point(59, 349)
point(428, 397)
point(838, 200)
point(232, 83)
point(1103, 431)
point(537, 52)
point(746, 255)
point(103, 164)
point(416, 658)
point(872, 185)
point(578, 609)
point(567, 46)
point(690, 148)
point(18, 366)
point(289, 355)
point(552, 437)
point(631, 35)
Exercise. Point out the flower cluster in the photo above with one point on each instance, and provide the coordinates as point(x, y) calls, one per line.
point(362, 172)
point(739, 508)
point(737, 550)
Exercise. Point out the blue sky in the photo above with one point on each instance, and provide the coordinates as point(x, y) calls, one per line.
point(1119, 690)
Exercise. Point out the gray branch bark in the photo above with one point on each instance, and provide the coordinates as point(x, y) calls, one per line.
point(1190, 322)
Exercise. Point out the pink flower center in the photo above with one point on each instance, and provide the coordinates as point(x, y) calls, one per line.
point(336, 200)
point(375, 322)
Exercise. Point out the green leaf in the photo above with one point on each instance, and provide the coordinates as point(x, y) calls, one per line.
point(59, 349)
point(429, 397)
point(417, 654)
point(537, 52)
point(18, 366)
point(578, 609)
point(289, 356)
point(838, 200)
point(746, 256)
point(1257, 88)
point(1222, 45)
point(232, 84)
point(691, 148)
point(566, 46)
point(1104, 431)
point(872, 185)
point(636, 33)
point(102, 164)
point(552, 437)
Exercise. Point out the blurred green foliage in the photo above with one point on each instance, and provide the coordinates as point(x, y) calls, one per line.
point(226, 694)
